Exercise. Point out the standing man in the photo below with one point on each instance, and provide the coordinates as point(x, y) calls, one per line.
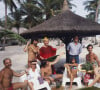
point(74, 49)
point(33, 50)
point(6, 76)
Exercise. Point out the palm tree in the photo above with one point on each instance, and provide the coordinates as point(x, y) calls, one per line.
point(10, 34)
point(16, 19)
point(36, 11)
point(93, 7)
point(50, 6)
point(11, 4)
point(31, 14)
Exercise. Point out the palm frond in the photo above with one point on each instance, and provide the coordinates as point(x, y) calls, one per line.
point(10, 34)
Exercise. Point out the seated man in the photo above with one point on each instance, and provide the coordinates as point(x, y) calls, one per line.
point(46, 70)
point(92, 57)
point(97, 76)
point(6, 75)
point(72, 70)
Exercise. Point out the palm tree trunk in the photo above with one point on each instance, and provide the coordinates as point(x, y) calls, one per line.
point(96, 16)
point(5, 16)
point(4, 40)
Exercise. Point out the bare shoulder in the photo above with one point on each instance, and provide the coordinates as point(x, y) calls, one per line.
point(2, 71)
point(42, 69)
point(94, 55)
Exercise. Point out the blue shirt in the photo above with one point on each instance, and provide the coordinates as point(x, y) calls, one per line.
point(74, 49)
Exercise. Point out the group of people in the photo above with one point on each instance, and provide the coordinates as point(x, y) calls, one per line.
point(74, 49)
point(38, 66)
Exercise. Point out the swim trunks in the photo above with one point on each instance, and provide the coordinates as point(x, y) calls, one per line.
point(10, 88)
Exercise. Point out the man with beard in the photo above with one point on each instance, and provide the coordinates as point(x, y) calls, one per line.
point(6, 76)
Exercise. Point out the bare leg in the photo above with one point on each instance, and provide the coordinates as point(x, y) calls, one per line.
point(19, 85)
point(30, 85)
point(58, 76)
point(70, 75)
point(94, 81)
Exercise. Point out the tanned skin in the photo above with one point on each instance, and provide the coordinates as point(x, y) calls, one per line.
point(6, 75)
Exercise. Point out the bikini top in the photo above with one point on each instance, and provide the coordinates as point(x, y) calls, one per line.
point(73, 67)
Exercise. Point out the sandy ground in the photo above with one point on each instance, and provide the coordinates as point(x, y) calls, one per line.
point(19, 57)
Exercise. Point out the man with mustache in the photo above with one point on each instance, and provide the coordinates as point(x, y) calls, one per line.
point(6, 76)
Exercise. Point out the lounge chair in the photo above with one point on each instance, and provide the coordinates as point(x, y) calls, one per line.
point(77, 80)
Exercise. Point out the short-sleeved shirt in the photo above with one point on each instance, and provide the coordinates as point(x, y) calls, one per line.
point(74, 49)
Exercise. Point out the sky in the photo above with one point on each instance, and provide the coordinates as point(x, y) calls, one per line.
point(78, 10)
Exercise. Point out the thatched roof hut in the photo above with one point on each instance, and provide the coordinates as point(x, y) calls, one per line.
point(64, 25)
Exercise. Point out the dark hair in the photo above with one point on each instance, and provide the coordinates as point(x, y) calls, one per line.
point(5, 60)
point(72, 59)
point(33, 61)
point(75, 37)
point(43, 63)
point(90, 45)
point(34, 40)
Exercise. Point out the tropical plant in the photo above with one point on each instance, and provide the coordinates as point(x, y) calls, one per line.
point(87, 66)
point(92, 7)
point(16, 19)
point(49, 6)
point(31, 14)
point(12, 6)
point(12, 35)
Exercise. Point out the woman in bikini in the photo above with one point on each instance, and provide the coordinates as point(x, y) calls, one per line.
point(72, 70)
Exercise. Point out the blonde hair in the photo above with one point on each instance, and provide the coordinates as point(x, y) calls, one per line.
point(45, 39)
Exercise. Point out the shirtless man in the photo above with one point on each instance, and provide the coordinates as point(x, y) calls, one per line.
point(46, 70)
point(6, 75)
point(91, 57)
point(33, 51)
point(97, 76)
point(72, 70)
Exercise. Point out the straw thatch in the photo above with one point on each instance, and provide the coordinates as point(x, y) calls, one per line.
point(64, 25)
